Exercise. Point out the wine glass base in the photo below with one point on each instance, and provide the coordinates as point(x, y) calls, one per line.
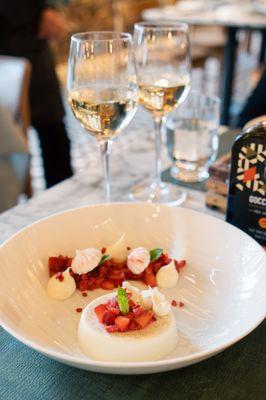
point(189, 176)
point(162, 193)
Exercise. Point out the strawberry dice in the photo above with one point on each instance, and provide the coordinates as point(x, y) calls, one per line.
point(144, 319)
point(107, 284)
point(149, 277)
point(122, 323)
point(109, 318)
point(100, 311)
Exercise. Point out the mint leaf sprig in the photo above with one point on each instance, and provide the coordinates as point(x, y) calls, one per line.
point(122, 300)
point(156, 253)
point(104, 258)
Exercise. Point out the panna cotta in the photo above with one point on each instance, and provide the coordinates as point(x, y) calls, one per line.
point(109, 336)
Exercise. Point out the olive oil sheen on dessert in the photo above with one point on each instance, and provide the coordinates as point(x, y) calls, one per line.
point(246, 207)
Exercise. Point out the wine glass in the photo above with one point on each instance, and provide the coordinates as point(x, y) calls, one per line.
point(102, 87)
point(163, 74)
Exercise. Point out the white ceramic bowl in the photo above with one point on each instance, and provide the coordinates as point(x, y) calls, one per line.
point(223, 285)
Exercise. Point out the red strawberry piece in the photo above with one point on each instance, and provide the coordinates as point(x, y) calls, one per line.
point(182, 263)
point(166, 259)
point(112, 328)
point(68, 262)
point(114, 311)
point(83, 285)
point(174, 303)
point(109, 318)
point(108, 263)
point(176, 265)
point(137, 311)
point(100, 311)
point(130, 315)
point(122, 323)
point(134, 277)
point(117, 282)
point(91, 283)
point(58, 264)
point(103, 250)
point(103, 271)
point(107, 285)
point(98, 281)
point(150, 278)
point(156, 265)
point(133, 326)
point(131, 303)
point(144, 318)
point(116, 274)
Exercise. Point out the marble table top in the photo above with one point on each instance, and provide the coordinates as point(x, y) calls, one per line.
point(132, 160)
point(241, 15)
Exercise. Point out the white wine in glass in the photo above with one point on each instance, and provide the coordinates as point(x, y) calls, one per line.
point(102, 88)
point(163, 74)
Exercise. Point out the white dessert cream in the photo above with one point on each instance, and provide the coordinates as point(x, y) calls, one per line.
point(167, 276)
point(138, 260)
point(151, 343)
point(136, 293)
point(61, 286)
point(118, 250)
point(86, 260)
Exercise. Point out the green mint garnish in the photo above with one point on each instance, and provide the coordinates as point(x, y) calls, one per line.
point(104, 258)
point(156, 253)
point(122, 300)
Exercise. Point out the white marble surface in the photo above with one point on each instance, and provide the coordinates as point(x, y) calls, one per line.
point(238, 14)
point(132, 160)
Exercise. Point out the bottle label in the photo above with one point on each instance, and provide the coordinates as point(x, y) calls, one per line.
point(249, 178)
point(249, 170)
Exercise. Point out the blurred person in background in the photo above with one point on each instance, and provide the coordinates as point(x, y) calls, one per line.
point(255, 105)
point(26, 26)
point(14, 160)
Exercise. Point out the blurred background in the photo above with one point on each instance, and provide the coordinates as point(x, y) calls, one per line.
point(207, 49)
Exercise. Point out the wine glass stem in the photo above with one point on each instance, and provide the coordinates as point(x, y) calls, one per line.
point(104, 147)
point(158, 145)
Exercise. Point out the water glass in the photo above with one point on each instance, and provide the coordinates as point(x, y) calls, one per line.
point(192, 137)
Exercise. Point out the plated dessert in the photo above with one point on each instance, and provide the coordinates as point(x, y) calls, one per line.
point(128, 325)
point(109, 267)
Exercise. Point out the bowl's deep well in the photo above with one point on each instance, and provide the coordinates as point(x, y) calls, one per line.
point(223, 285)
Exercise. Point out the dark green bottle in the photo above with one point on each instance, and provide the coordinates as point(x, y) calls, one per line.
point(246, 203)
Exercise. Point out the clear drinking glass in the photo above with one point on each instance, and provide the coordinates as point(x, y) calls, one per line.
point(163, 73)
point(192, 136)
point(102, 88)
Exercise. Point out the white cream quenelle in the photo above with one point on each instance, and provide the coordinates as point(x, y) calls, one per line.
point(160, 305)
point(118, 251)
point(61, 286)
point(86, 260)
point(133, 290)
point(146, 299)
point(138, 260)
point(167, 276)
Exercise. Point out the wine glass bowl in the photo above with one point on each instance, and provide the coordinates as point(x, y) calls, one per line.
point(102, 87)
point(163, 73)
